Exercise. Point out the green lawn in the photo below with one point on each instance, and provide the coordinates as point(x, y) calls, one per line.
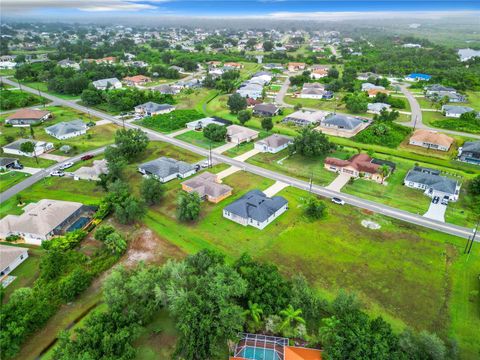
point(26, 272)
point(401, 271)
point(438, 120)
point(328, 105)
point(474, 99)
point(14, 99)
point(44, 88)
point(197, 138)
point(7, 72)
point(95, 137)
point(7, 180)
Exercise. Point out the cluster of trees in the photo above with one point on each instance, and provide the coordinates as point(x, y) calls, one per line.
point(227, 82)
point(299, 80)
point(236, 103)
point(64, 274)
point(356, 102)
point(310, 143)
point(214, 132)
point(395, 102)
point(13, 99)
point(384, 131)
point(188, 206)
point(123, 99)
point(164, 72)
point(315, 209)
point(212, 301)
point(468, 122)
point(171, 121)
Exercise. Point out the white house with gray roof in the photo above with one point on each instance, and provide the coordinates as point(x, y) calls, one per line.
point(66, 130)
point(454, 111)
point(432, 183)
point(166, 169)
point(255, 209)
point(40, 147)
point(10, 258)
point(150, 109)
point(104, 84)
point(470, 152)
point(376, 108)
point(273, 144)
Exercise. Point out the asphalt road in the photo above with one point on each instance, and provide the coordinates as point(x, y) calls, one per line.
point(349, 199)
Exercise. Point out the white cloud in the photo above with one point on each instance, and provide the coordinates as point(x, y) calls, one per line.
point(16, 6)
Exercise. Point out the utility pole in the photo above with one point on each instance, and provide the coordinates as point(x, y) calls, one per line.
point(210, 155)
point(468, 247)
point(415, 123)
point(310, 184)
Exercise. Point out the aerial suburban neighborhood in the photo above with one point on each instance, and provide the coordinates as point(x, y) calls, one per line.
point(247, 180)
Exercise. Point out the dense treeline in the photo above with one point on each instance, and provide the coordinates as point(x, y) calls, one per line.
point(13, 99)
point(212, 301)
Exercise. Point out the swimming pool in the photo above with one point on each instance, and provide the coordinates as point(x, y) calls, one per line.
point(258, 353)
point(80, 223)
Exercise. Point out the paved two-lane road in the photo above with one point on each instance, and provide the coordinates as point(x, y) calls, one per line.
point(349, 199)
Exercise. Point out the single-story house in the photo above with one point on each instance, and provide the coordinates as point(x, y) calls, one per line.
point(436, 88)
point(42, 220)
point(305, 118)
point(238, 134)
point(454, 111)
point(368, 75)
point(263, 76)
point(207, 186)
point(271, 66)
point(255, 209)
point(453, 97)
point(369, 86)
point(40, 147)
point(93, 172)
point(10, 258)
point(342, 125)
point(7, 163)
point(166, 169)
point(200, 124)
point(104, 84)
point(312, 91)
point(66, 130)
point(106, 60)
point(67, 63)
point(251, 90)
point(373, 92)
point(360, 165)
point(265, 110)
point(319, 73)
point(418, 77)
point(432, 183)
point(177, 68)
point(150, 109)
point(431, 140)
point(136, 80)
point(377, 107)
point(4, 65)
point(470, 152)
point(233, 65)
point(167, 89)
point(296, 66)
point(27, 117)
point(252, 102)
point(273, 143)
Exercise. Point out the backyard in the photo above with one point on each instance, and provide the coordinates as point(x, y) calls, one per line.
point(11, 178)
point(197, 138)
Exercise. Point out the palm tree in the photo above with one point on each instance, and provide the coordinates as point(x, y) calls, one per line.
point(384, 170)
point(254, 312)
point(290, 317)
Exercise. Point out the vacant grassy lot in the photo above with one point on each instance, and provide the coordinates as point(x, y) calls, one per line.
point(14, 99)
point(437, 120)
point(193, 99)
point(171, 121)
point(44, 88)
point(197, 138)
point(7, 180)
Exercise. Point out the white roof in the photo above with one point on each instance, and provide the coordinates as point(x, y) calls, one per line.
point(9, 254)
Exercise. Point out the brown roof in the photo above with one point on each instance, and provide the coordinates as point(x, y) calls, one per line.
point(299, 353)
point(28, 114)
point(296, 64)
point(360, 162)
point(137, 78)
point(376, 91)
point(432, 137)
point(252, 101)
point(320, 71)
point(206, 184)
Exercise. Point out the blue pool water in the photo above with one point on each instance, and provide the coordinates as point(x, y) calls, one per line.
point(253, 353)
point(80, 223)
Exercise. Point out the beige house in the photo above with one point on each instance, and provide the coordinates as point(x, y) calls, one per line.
point(238, 134)
point(296, 66)
point(93, 172)
point(360, 165)
point(431, 140)
point(208, 187)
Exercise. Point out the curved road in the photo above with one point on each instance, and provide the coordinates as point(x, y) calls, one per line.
point(349, 199)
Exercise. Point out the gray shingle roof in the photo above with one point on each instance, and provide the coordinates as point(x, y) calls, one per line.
point(163, 167)
point(256, 205)
point(342, 121)
point(152, 107)
point(64, 128)
point(456, 109)
point(473, 146)
point(436, 182)
point(268, 108)
point(106, 82)
point(6, 161)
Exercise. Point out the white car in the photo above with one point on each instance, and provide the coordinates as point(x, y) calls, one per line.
point(205, 164)
point(66, 165)
point(338, 201)
point(57, 173)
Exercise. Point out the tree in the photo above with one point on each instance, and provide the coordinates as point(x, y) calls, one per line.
point(91, 97)
point(311, 143)
point(243, 116)
point(103, 231)
point(356, 102)
point(267, 124)
point(333, 73)
point(188, 206)
point(474, 186)
point(28, 147)
point(131, 142)
point(32, 132)
point(130, 210)
point(254, 316)
point(384, 170)
point(73, 284)
point(315, 209)
point(215, 133)
point(151, 190)
point(268, 45)
point(115, 243)
point(470, 117)
point(291, 318)
point(236, 103)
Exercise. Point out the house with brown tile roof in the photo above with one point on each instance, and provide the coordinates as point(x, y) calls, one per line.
point(27, 117)
point(431, 140)
point(296, 66)
point(374, 92)
point(136, 80)
point(207, 186)
point(360, 165)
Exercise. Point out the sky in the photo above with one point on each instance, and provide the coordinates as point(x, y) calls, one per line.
point(275, 9)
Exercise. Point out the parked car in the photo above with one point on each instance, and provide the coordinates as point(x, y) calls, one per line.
point(66, 165)
point(338, 201)
point(86, 157)
point(435, 199)
point(57, 173)
point(445, 200)
point(205, 164)
point(17, 166)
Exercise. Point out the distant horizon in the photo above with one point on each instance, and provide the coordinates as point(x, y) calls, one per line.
point(61, 10)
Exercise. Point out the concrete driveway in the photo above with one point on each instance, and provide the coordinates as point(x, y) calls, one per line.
point(57, 158)
point(436, 211)
point(29, 170)
point(275, 188)
point(223, 174)
point(179, 132)
point(247, 155)
point(224, 148)
point(340, 181)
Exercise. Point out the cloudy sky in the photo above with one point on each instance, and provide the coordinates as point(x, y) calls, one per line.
point(220, 8)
